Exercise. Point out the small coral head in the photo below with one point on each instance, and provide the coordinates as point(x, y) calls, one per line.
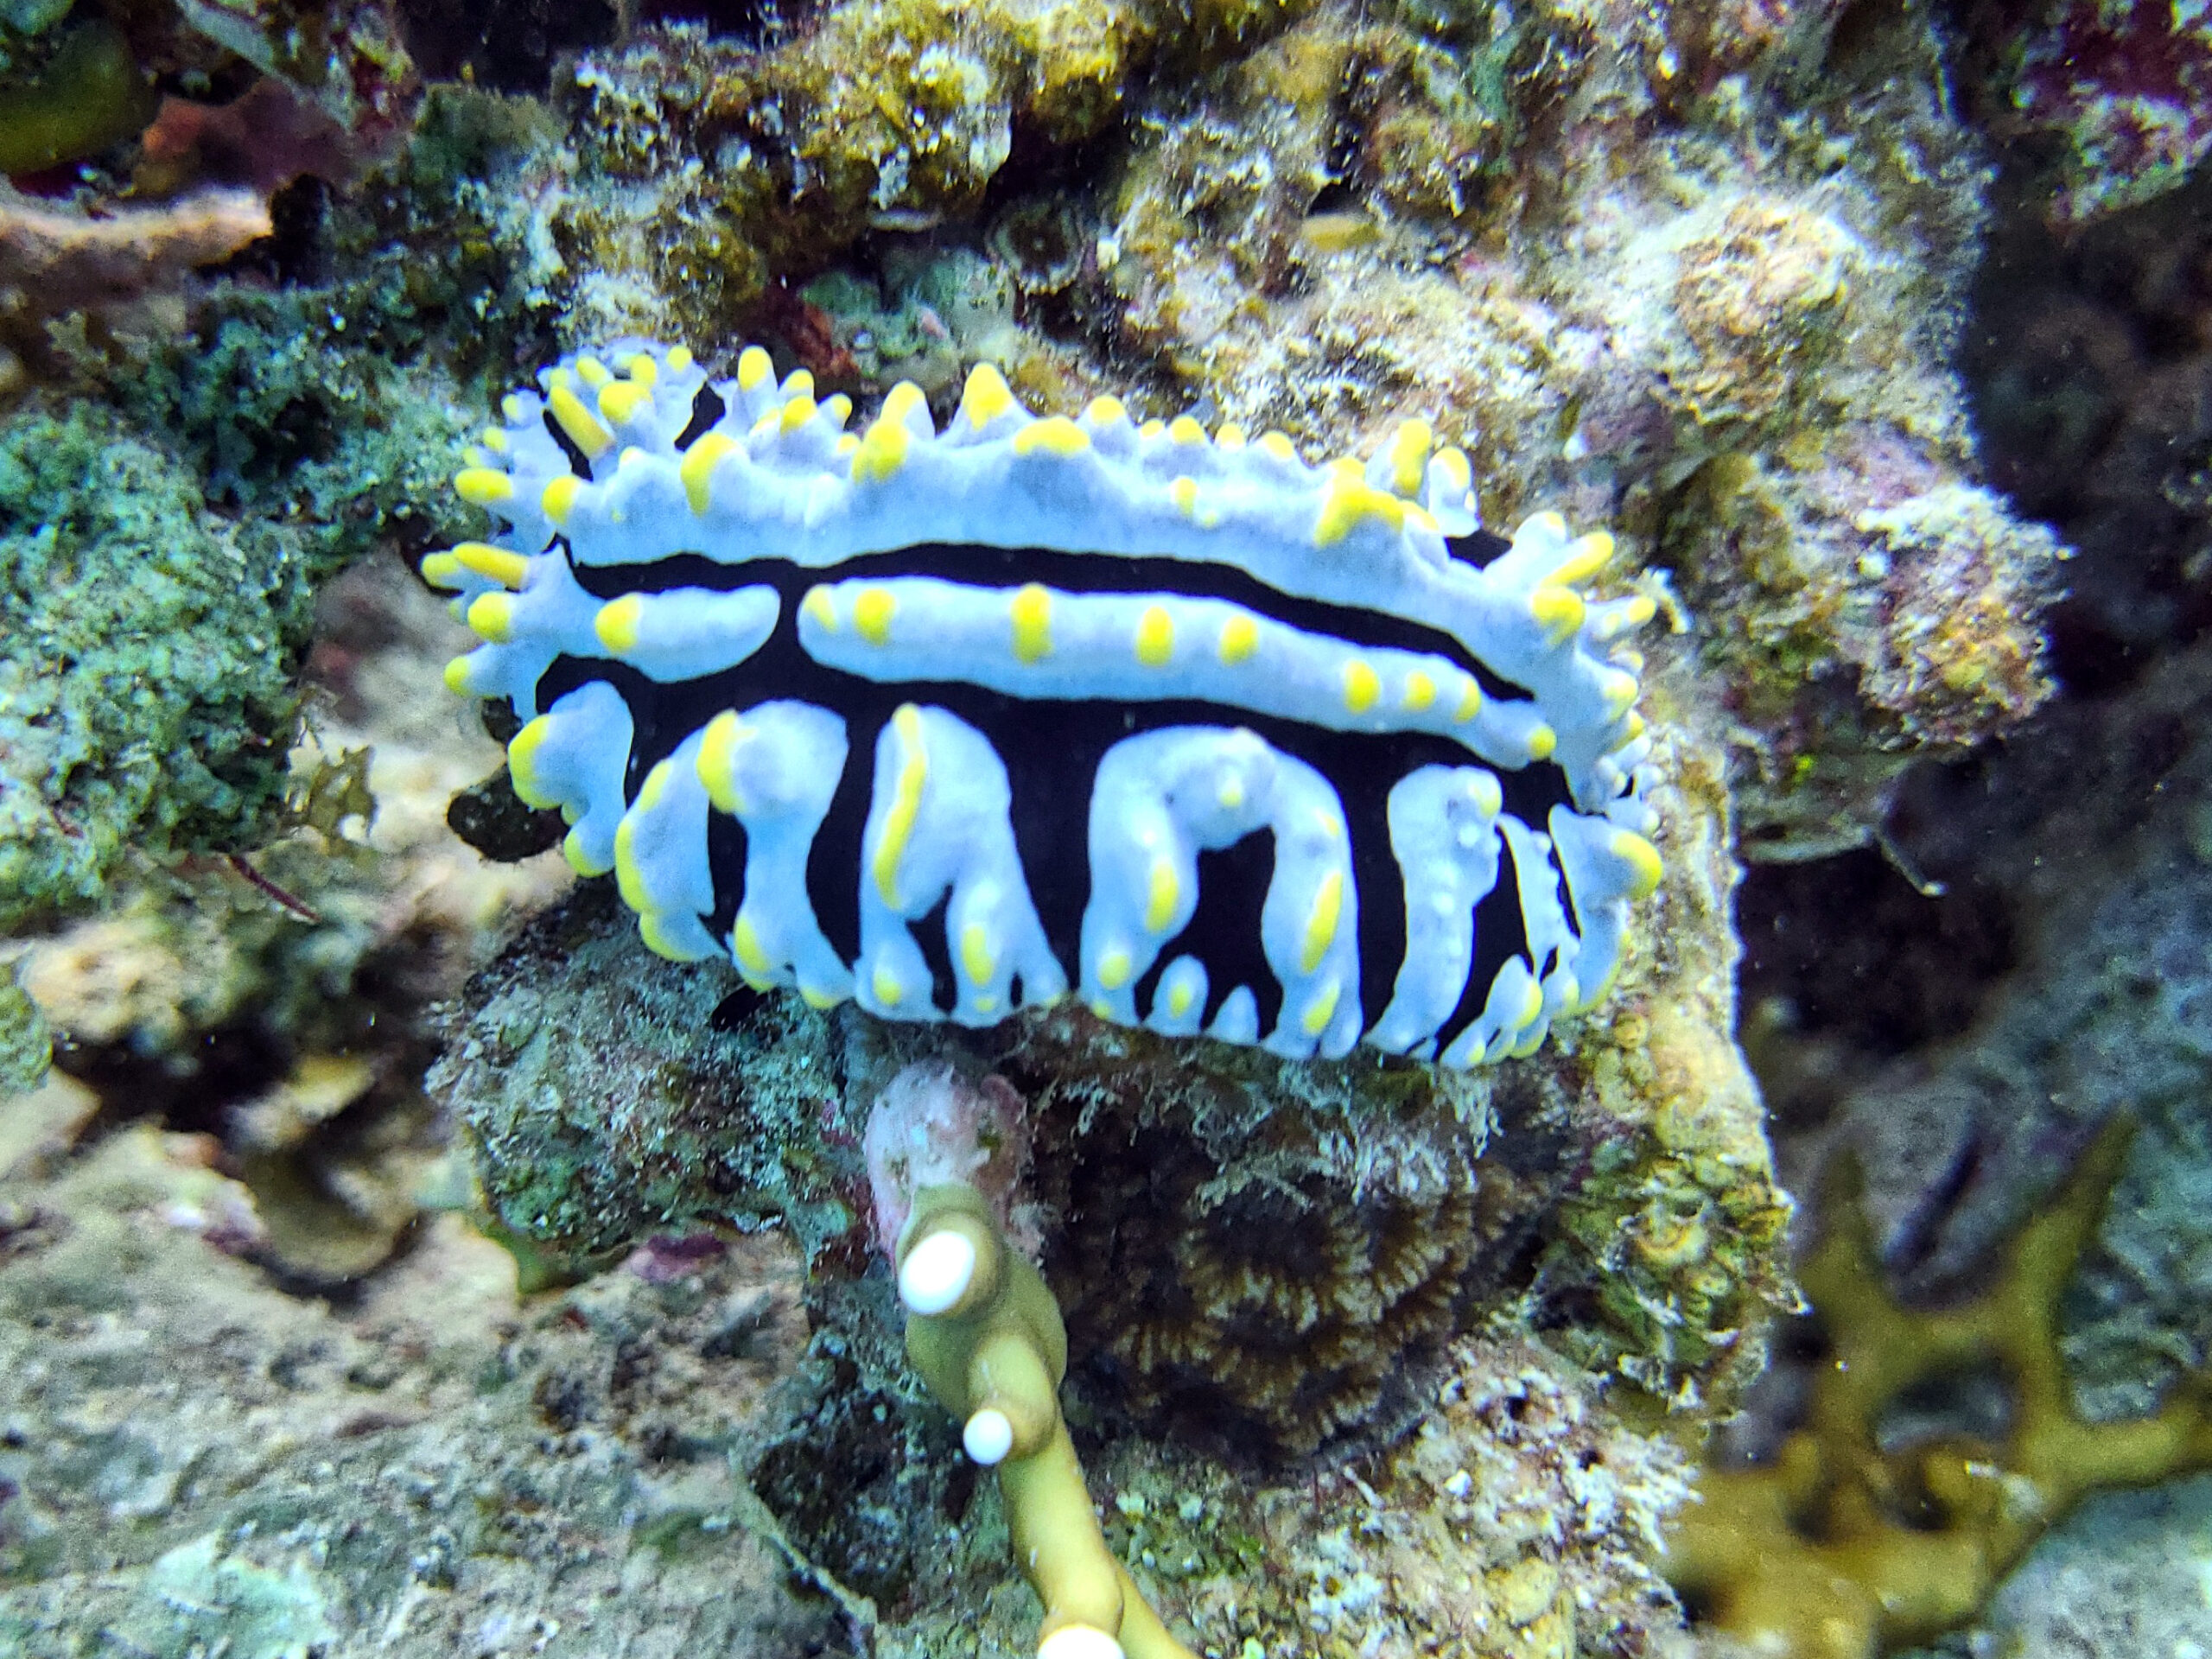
point(931, 1127)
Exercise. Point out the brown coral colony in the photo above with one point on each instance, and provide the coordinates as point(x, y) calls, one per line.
point(1267, 1321)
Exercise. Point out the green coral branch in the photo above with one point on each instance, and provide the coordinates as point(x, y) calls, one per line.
point(984, 1331)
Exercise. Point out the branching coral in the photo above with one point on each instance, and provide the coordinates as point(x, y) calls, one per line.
point(984, 1331)
point(1853, 1538)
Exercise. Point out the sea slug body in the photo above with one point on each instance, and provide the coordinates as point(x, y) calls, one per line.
point(954, 723)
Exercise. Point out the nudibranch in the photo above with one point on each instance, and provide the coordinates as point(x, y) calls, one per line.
point(953, 722)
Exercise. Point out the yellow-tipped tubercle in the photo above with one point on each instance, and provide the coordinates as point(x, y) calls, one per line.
point(872, 610)
point(522, 763)
point(1321, 922)
point(1586, 558)
point(1409, 447)
point(1559, 610)
point(1350, 501)
point(491, 616)
point(620, 401)
point(1057, 436)
point(882, 450)
point(580, 424)
point(1642, 859)
point(1240, 638)
point(1155, 641)
point(696, 469)
point(717, 763)
point(1031, 611)
point(906, 803)
point(1362, 686)
point(483, 486)
point(986, 397)
point(558, 498)
point(616, 625)
point(440, 570)
point(492, 563)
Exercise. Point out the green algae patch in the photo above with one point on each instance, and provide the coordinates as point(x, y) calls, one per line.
point(159, 558)
point(147, 666)
point(88, 96)
point(26, 1044)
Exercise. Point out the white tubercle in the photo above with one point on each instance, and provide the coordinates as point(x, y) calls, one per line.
point(936, 1274)
point(1078, 1641)
point(988, 1437)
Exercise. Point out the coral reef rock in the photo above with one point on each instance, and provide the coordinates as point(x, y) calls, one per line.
point(1730, 343)
point(1262, 1260)
point(2111, 103)
point(2123, 1574)
point(199, 1462)
point(2092, 830)
point(1363, 1357)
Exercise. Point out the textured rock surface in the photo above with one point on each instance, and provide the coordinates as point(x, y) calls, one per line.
point(1697, 276)
point(2123, 1574)
point(2107, 863)
point(2109, 102)
point(195, 1457)
point(1292, 1230)
point(277, 999)
point(1966, 1041)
